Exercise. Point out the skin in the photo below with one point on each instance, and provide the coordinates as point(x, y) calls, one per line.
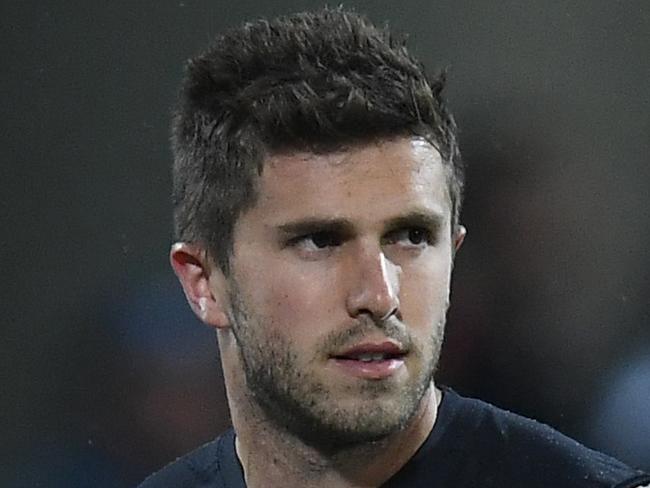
point(373, 264)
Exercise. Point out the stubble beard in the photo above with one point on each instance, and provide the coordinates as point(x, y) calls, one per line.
point(294, 400)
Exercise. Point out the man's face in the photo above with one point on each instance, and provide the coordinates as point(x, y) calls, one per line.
point(339, 288)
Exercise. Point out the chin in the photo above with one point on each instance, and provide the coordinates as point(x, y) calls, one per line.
point(359, 419)
point(364, 425)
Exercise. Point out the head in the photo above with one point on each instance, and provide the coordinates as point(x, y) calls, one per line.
point(317, 192)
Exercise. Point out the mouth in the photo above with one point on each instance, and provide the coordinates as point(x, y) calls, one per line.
point(373, 361)
point(368, 357)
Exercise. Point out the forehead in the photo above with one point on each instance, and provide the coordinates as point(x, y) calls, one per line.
point(366, 181)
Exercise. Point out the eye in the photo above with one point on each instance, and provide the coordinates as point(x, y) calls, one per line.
point(317, 241)
point(416, 237)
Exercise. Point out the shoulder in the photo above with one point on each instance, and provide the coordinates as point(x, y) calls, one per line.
point(510, 450)
point(199, 468)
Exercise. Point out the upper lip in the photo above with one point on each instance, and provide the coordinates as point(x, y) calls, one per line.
point(387, 347)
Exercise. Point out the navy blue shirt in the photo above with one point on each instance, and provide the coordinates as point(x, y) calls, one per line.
point(472, 445)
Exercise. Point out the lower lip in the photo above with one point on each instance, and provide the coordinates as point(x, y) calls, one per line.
point(371, 370)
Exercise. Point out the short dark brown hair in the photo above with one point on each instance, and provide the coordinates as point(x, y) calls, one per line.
point(315, 81)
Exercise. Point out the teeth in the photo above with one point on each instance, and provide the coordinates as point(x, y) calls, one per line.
point(371, 357)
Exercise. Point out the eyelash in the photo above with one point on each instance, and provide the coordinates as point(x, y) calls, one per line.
point(424, 234)
point(332, 236)
point(425, 237)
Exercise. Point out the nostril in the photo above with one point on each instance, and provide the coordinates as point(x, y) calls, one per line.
point(394, 312)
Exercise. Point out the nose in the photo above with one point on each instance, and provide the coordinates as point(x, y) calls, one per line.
point(374, 287)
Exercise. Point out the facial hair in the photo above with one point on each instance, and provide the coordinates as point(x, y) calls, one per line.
point(282, 382)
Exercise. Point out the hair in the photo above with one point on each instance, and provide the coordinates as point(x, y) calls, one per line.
point(318, 81)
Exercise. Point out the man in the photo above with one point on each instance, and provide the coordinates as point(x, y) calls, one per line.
point(317, 192)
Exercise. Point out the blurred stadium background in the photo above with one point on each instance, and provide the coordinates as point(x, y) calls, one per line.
point(106, 376)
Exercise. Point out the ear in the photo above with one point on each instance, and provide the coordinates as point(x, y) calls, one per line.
point(204, 284)
point(459, 237)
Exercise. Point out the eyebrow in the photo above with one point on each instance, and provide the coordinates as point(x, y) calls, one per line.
point(417, 218)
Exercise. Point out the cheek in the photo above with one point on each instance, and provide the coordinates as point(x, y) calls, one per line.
point(295, 303)
point(424, 293)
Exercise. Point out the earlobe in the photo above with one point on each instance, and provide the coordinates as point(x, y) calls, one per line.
point(459, 237)
point(204, 284)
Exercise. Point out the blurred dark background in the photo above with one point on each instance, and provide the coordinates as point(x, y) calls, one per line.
point(105, 374)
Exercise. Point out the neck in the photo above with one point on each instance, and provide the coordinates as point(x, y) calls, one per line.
point(271, 456)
